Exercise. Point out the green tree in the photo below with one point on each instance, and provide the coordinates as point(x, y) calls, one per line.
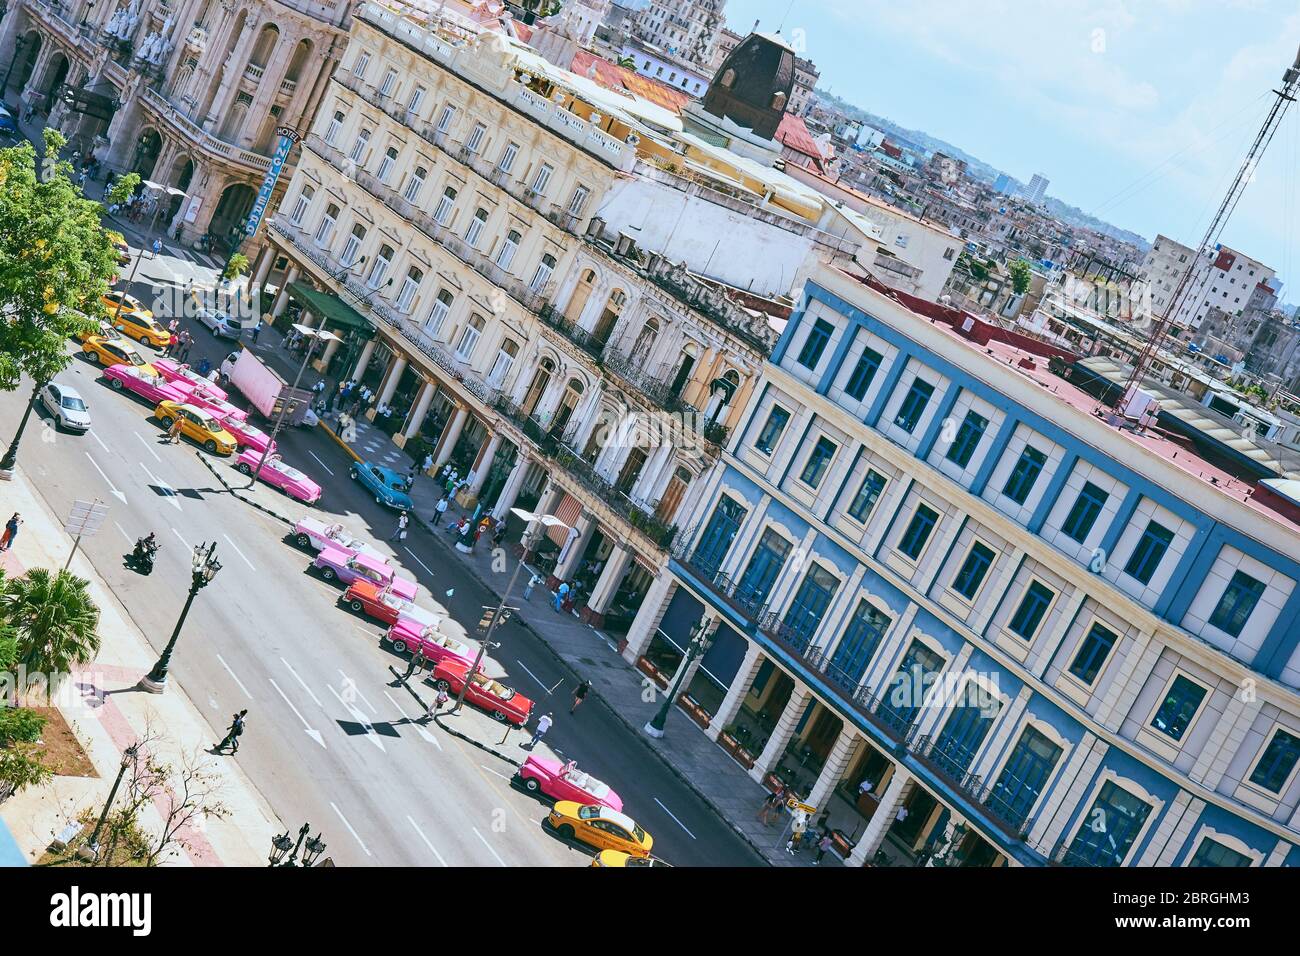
point(54, 256)
point(122, 190)
point(627, 62)
point(54, 620)
point(236, 266)
point(20, 729)
point(1020, 276)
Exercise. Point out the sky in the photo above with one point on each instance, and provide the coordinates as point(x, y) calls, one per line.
point(1137, 111)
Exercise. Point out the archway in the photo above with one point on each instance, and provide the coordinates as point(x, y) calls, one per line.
point(230, 214)
point(266, 43)
point(26, 49)
point(147, 148)
point(609, 316)
point(56, 73)
point(301, 57)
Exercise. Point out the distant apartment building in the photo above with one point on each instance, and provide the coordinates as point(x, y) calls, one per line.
point(1004, 184)
point(1224, 278)
point(683, 28)
point(805, 83)
point(1036, 189)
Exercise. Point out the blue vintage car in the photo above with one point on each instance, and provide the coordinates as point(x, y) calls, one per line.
point(388, 487)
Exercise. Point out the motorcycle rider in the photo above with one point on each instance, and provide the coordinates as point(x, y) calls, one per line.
point(145, 549)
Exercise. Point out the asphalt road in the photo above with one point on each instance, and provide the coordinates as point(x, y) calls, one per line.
point(329, 740)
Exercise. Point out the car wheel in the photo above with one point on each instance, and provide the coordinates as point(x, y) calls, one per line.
point(91, 356)
point(116, 383)
point(442, 685)
point(565, 831)
point(498, 716)
point(302, 540)
point(211, 446)
point(399, 646)
point(166, 422)
point(378, 500)
point(328, 574)
point(353, 474)
point(357, 606)
point(245, 468)
point(532, 784)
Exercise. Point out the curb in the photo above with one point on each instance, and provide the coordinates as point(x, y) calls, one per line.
point(635, 731)
point(248, 501)
point(320, 423)
point(456, 733)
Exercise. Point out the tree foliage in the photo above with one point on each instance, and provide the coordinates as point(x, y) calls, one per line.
point(54, 620)
point(1020, 276)
point(54, 256)
point(123, 188)
point(236, 267)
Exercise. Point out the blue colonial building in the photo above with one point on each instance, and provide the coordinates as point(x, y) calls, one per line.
point(954, 604)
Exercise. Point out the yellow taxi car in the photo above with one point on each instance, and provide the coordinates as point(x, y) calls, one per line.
point(120, 247)
point(196, 425)
point(104, 351)
point(619, 858)
point(600, 827)
point(133, 318)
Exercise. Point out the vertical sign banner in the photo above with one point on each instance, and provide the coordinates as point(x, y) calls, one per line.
point(288, 137)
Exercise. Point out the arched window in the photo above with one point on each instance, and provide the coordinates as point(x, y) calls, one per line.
point(380, 268)
point(301, 204)
point(326, 227)
point(476, 226)
point(645, 342)
point(505, 360)
point(336, 124)
point(359, 147)
point(410, 286)
point(387, 163)
point(469, 337)
point(508, 249)
point(545, 269)
point(438, 314)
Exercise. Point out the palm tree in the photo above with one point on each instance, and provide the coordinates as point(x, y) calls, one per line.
point(53, 619)
point(626, 62)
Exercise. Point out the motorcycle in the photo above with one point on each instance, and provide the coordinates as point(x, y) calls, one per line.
point(141, 559)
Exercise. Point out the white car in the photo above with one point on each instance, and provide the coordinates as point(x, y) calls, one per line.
point(219, 324)
point(314, 534)
point(67, 406)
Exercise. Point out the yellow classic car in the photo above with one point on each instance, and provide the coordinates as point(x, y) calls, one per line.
point(619, 858)
point(600, 827)
point(120, 247)
point(133, 318)
point(196, 425)
point(102, 351)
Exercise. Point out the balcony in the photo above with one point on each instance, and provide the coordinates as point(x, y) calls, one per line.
point(288, 87)
point(533, 300)
point(254, 72)
point(658, 532)
point(582, 339)
point(191, 131)
point(653, 386)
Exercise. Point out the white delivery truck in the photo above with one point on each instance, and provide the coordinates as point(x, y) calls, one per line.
point(265, 389)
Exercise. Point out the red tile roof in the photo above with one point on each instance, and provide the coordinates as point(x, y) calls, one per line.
point(620, 78)
point(793, 132)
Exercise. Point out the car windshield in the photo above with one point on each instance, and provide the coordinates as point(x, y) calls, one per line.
point(73, 403)
point(589, 812)
point(133, 357)
point(393, 601)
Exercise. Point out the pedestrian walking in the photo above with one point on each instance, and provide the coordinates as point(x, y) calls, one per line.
point(171, 326)
point(173, 343)
point(10, 532)
point(823, 845)
point(233, 734)
point(796, 833)
point(410, 478)
point(535, 580)
point(187, 342)
point(580, 694)
point(436, 704)
point(400, 532)
point(543, 725)
point(427, 464)
point(561, 593)
point(499, 533)
point(174, 434)
point(416, 663)
point(770, 803)
point(257, 330)
point(440, 509)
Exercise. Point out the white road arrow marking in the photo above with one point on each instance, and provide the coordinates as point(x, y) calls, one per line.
point(111, 487)
point(169, 493)
point(234, 678)
point(360, 718)
point(312, 732)
point(424, 734)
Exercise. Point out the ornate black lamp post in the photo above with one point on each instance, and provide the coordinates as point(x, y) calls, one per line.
point(284, 851)
point(10, 459)
point(18, 51)
point(203, 568)
point(701, 638)
point(91, 849)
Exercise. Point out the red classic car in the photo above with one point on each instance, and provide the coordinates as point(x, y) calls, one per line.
point(501, 702)
point(367, 597)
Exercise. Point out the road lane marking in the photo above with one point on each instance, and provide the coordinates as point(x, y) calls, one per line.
point(417, 560)
point(240, 553)
point(101, 442)
point(183, 541)
point(531, 674)
point(421, 832)
point(129, 539)
point(407, 717)
point(349, 826)
point(371, 734)
point(234, 678)
point(358, 690)
point(112, 487)
point(491, 849)
point(168, 492)
point(311, 731)
point(303, 683)
point(331, 471)
point(497, 772)
point(674, 816)
point(147, 446)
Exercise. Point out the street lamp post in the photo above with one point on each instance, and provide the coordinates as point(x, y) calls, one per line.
point(18, 51)
point(307, 331)
point(10, 459)
point(91, 849)
point(701, 637)
point(203, 568)
point(502, 611)
point(284, 844)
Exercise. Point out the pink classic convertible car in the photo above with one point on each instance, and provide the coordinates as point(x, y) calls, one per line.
point(317, 535)
point(334, 563)
point(246, 434)
point(153, 388)
point(207, 399)
point(277, 474)
point(564, 781)
point(408, 635)
point(173, 371)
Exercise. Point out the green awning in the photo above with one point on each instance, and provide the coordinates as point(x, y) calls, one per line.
point(334, 310)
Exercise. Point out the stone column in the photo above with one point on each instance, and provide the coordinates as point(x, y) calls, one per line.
point(900, 787)
point(282, 296)
point(450, 435)
point(363, 363)
point(273, 74)
point(648, 617)
point(571, 553)
point(331, 347)
point(740, 685)
point(484, 464)
point(514, 484)
point(611, 575)
point(944, 843)
point(799, 700)
point(231, 71)
point(270, 252)
point(837, 762)
point(416, 419)
point(390, 383)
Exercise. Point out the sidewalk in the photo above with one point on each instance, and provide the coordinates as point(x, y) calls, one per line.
point(111, 715)
point(591, 655)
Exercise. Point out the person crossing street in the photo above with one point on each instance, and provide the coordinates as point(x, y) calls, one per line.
point(233, 734)
point(580, 695)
